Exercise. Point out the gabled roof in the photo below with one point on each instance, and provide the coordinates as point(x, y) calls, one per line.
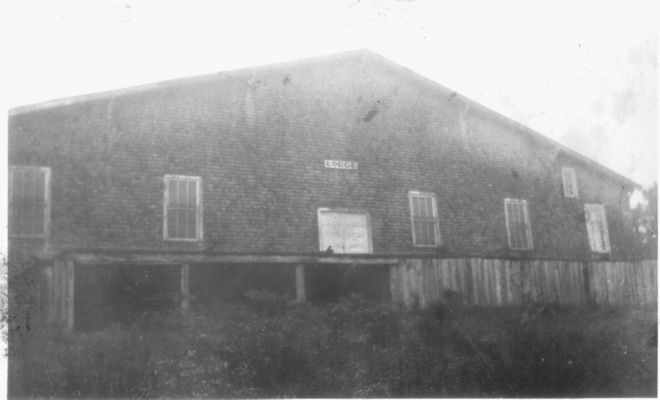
point(365, 54)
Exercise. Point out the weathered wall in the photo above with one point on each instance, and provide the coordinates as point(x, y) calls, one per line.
point(497, 282)
point(259, 139)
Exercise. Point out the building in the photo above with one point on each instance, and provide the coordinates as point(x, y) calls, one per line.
point(253, 178)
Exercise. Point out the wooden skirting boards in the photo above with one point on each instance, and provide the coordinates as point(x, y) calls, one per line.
point(497, 282)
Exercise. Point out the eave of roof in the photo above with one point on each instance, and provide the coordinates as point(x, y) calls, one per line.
point(353, 53)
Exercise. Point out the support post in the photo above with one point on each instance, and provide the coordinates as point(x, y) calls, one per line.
point(69, 296)
point(589, 297)
point(50, 298)
point(60, 293)
point(185, 287)
point(300, 282)
point(56, 303)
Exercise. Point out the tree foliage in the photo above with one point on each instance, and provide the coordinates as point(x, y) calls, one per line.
point(646, 221)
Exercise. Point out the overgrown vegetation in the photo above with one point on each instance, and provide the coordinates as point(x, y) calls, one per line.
point(353, 348)
point(645, 217)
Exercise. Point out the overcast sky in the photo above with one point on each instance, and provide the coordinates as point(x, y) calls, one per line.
point(583, 73)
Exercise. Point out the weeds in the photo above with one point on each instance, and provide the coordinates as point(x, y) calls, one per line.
point(274, 348)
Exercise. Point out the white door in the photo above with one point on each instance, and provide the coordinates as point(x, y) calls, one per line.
point(345, 232)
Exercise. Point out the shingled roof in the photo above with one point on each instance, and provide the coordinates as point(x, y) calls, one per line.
point(365, 56)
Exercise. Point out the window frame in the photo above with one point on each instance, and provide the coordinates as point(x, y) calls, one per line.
point(570, 183)
point(436, 224)
point(527, 221)
point(600, 209)
point(199, 232)
point(47, 201)
point(321, 210)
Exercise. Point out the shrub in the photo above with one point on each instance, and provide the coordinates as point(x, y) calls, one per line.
point(271, 347)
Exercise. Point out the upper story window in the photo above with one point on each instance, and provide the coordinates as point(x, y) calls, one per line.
point(599, 238)
point(344, 231)
point(424, 219)
point(29, 201)
point(183, 208)
point(519, 230)
point(570, 182)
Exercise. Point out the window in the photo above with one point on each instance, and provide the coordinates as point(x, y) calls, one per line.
point(570, 182)
point(183, 208)
point(29, 201)
point(599, 239)
point(518, 228)
point(424, 219)
point(344, 231)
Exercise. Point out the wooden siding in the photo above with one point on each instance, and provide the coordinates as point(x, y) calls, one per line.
point(498, 282)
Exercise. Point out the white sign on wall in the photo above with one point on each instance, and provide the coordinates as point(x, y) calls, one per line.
point(341, 164)
point(344, 232)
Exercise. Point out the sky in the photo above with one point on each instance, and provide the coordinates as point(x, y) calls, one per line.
point(583, 73)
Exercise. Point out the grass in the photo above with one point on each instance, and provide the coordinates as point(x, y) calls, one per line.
point(353, 348)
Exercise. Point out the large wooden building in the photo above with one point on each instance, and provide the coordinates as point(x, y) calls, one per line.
point(297, 176)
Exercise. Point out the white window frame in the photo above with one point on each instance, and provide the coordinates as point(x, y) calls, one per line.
point(597, 209)
point(322, 239)
point(569, 181)
point(436, 225)
point(528, 224)
point(47, 200)
point(199, 234)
